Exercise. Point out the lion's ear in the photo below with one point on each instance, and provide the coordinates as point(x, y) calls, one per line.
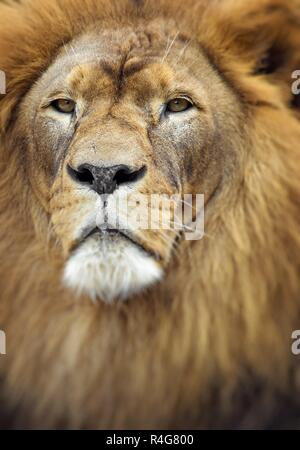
point(259, 39)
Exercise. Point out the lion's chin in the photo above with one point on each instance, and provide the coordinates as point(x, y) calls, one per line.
point(110, 269)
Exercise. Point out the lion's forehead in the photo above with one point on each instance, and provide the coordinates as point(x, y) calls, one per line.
point(122, 44)
point(103, 58)
point(129, 41)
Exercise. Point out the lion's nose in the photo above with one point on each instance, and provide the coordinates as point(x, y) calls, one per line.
point(105, 180)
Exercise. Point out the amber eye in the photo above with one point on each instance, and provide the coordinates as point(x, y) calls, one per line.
point(179, 104)
point(64, 105)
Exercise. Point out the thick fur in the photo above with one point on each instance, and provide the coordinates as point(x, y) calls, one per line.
point(210, 345)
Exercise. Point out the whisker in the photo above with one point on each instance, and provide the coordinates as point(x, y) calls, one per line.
point(182, 52)
point(167, 46)
point(170, 47)
point(183, 226)
point(72, 49)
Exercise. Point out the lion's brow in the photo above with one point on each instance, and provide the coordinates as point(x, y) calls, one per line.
point(128, 69)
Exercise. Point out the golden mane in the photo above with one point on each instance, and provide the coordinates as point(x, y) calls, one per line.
point(216, 351)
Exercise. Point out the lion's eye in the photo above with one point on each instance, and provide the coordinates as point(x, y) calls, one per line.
point(63, 105)
point(179, 104)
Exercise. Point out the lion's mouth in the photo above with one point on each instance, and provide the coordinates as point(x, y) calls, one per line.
point(111, 234)
point(109, 264)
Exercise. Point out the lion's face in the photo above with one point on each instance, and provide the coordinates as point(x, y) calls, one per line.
point(125, 112)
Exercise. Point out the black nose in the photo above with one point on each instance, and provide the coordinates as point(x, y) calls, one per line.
point(105, 180)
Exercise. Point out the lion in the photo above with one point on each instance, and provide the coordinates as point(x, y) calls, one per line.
point(145, 329)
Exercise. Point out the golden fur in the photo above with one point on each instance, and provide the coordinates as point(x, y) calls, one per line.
point(210, 345)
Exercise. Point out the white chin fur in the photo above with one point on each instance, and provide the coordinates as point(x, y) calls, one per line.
point(110, 269)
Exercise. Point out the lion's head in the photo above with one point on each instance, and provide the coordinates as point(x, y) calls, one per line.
point(107, 99)
point(127, 111)
point(137, 109)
